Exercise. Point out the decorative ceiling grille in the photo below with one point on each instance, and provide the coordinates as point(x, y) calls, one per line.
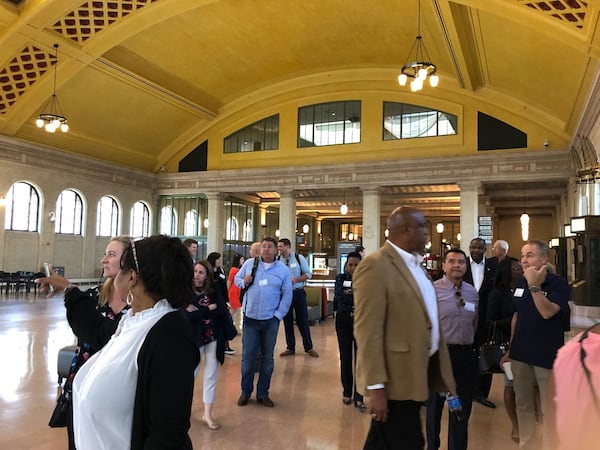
point(21, 72)
point(572, 12)
point(91, 18)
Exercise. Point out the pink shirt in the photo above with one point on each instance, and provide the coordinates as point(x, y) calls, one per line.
point(577, 418)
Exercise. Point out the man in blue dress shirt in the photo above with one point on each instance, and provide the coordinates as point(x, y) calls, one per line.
point(266, 301)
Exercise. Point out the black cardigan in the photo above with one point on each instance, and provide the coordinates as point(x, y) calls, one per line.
point(165, 386)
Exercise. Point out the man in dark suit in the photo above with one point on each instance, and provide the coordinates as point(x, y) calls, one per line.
point(480, 273)
point(401, 352)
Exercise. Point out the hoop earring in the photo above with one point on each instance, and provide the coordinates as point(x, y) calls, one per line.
point(129, 298)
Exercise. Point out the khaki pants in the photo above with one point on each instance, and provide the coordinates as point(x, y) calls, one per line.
point(525, 379)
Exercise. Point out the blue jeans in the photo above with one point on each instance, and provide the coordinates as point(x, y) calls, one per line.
point(300, 309)
point(258, 335)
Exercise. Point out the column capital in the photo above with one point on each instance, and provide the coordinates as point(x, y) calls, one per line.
point(471, 186)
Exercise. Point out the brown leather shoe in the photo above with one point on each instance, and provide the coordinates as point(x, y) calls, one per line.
point(266, 401)
point(312, 352)
point(243, 400)
point(288, 353)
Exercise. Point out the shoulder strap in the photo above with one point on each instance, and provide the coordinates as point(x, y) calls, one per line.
point(299, 265)
point(255, 265)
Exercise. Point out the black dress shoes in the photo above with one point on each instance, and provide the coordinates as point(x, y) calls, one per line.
point(266, 401)
point(243, 400)
point(485, 402)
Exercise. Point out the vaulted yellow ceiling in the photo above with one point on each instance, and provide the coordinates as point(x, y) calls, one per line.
point(141, 81)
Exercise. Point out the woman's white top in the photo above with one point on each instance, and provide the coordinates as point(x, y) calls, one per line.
point(104, 387)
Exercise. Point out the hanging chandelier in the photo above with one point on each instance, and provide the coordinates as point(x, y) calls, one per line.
point(344, 207)
point(418, 65)
point(524, 219)
point(52, 118)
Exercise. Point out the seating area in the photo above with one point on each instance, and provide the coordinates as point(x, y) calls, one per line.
point(17, 281)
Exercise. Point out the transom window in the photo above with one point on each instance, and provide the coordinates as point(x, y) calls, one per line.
point(69, 213)
point(261, 135)
point(107, 223)
point(405, 121)
point(22, 208)
point(330, 123)
point(140, 220)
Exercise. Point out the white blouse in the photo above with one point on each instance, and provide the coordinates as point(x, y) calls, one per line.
point(104, 387)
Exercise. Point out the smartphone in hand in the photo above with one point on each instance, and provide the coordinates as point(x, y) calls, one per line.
point(48, 274)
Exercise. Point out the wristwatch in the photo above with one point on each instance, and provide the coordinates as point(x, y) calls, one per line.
point(534, 288)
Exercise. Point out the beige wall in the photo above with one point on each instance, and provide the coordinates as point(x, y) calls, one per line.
point(51, 172)
point(509, 229)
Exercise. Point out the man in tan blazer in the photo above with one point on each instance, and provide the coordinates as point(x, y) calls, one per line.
point(401, 353)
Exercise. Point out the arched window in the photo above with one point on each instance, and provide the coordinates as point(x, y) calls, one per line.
point(190, 226)
point(248, 231)
point(22, 208)
point(168, 221)
point(140, 220)
point(107, 223)
point(231, 232)
point(406, 121)
point(69, 213)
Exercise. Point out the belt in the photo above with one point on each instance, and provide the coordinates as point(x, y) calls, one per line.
point(460, 347)
point(348, 313)
point(299, 289)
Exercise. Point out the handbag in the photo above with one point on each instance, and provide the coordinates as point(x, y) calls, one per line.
point(65, 366)
point(58, 419)
point(230, 331)
point(492, 351)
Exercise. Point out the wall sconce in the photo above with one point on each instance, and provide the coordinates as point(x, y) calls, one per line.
point(205, 223)
point(52, 216)
point(2, 200)
point(440, 227)
point(351, 236)
point(305, 228)
point(277, 233)
point(458, 237)
point(386, 233)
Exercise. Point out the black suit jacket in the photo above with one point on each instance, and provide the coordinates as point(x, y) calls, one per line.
point(489, 273)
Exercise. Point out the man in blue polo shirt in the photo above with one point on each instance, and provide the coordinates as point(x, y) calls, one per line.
point(300, 272)
point(541, 314)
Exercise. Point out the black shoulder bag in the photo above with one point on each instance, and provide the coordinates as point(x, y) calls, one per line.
point(252, 274)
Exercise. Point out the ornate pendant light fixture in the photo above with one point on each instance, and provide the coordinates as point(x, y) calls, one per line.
point(524, 219)
point(418, 65)
point(344, 207)
point(52, 118)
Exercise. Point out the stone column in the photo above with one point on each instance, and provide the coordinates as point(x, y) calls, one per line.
point(287, 216)
point(216, 225)
point(371, 219)
point(469, 212)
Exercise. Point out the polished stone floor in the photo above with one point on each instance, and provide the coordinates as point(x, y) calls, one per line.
point(309, 413)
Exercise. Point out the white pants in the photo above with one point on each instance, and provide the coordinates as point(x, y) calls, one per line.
point(208, 354)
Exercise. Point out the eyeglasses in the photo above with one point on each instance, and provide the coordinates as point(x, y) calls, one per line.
point(135, 259)
point(461, 300)
point(517, 269)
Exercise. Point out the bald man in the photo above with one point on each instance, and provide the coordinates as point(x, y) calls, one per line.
point(401, 352)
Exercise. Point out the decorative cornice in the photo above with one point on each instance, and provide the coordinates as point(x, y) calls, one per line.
point(482, 167)
point(42, 157)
